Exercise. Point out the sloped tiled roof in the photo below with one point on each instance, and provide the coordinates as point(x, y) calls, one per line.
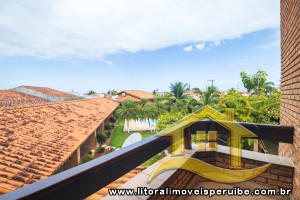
point(35, 141)
point(138, 94)
point(50, 91)
point(13, 99)
point(123, 98)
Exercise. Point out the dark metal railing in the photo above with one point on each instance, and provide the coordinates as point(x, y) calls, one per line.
point(84, 180)
point(274, 133)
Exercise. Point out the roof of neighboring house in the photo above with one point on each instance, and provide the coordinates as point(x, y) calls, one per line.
point(123, 98)
point(138, 94)
point(49, 91)
point(35, 141)
point(13, 99)
point(244, 92)
point(190, 92)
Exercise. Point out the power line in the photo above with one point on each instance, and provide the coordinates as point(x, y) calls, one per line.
point(212, 82)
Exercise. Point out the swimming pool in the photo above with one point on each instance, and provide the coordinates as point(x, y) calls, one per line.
point(145, 122)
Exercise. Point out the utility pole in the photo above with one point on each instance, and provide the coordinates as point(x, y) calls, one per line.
point(212, 82)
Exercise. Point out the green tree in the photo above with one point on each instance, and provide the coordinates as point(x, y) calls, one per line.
point(150, 112)
point(91, 92)
point(177, 90)
point(127, 111)
point(210, 96)
point(160, 105)
point(257, 109)
point(257, 83)
point(168, 118)
point(143, 103)
point(232, 89)
point(154, 92)
point(112, 92)
point(197, 91)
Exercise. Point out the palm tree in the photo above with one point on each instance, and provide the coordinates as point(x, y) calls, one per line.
point(259, 109)
point(127, 111)
point(143, 103)
point(210, 96)
point(150, 112)
point(177, 90)
point(197, 91)
point(160, 107)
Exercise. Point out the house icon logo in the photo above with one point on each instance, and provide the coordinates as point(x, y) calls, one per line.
point(234, 174)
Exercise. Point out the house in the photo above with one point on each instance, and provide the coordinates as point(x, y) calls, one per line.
point(46, 93)
point(38, 141)
point(193, 94)
point(245, 94)
point(161, 94)
point(12, 99)
point(134, 95)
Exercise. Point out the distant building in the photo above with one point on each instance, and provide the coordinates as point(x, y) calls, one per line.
point(134, 95)
point(38, 141)
point(224, 92)
point(193, 94)
point(161, 94)
point(46, 93)
point(245, 94)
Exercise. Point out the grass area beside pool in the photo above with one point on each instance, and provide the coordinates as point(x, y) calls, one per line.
point(119, 137)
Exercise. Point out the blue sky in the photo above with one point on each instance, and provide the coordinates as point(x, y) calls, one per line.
point(149, 55)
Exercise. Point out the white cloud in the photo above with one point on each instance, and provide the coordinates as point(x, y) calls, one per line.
point(200, 46)
point(95, 28)
point(188, 48)
point(216, 43)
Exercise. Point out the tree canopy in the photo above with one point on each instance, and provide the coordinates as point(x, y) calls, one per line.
point(257, 83)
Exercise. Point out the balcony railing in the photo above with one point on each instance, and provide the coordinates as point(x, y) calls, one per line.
point(84, 180)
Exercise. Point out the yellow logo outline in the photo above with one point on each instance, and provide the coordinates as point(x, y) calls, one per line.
point(211, 172)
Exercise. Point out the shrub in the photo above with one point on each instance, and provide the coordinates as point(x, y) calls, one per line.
point(87, 158)
point(112, 119)
point(101, 138)
point(107, 127)
point(101, 149)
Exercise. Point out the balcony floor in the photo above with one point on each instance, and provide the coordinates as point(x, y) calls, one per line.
point(200, 183)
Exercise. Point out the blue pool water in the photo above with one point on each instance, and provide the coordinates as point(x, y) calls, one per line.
point(145, 122)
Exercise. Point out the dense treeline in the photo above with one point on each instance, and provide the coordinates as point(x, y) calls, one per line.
point(260, 104)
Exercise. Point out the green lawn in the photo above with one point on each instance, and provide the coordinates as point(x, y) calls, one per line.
point(119, 137)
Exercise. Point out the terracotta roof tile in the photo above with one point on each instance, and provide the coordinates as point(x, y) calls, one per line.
point(123, 98)
point(13, 99)
point(36, 140)
point(136, 94)
point(49, 91)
